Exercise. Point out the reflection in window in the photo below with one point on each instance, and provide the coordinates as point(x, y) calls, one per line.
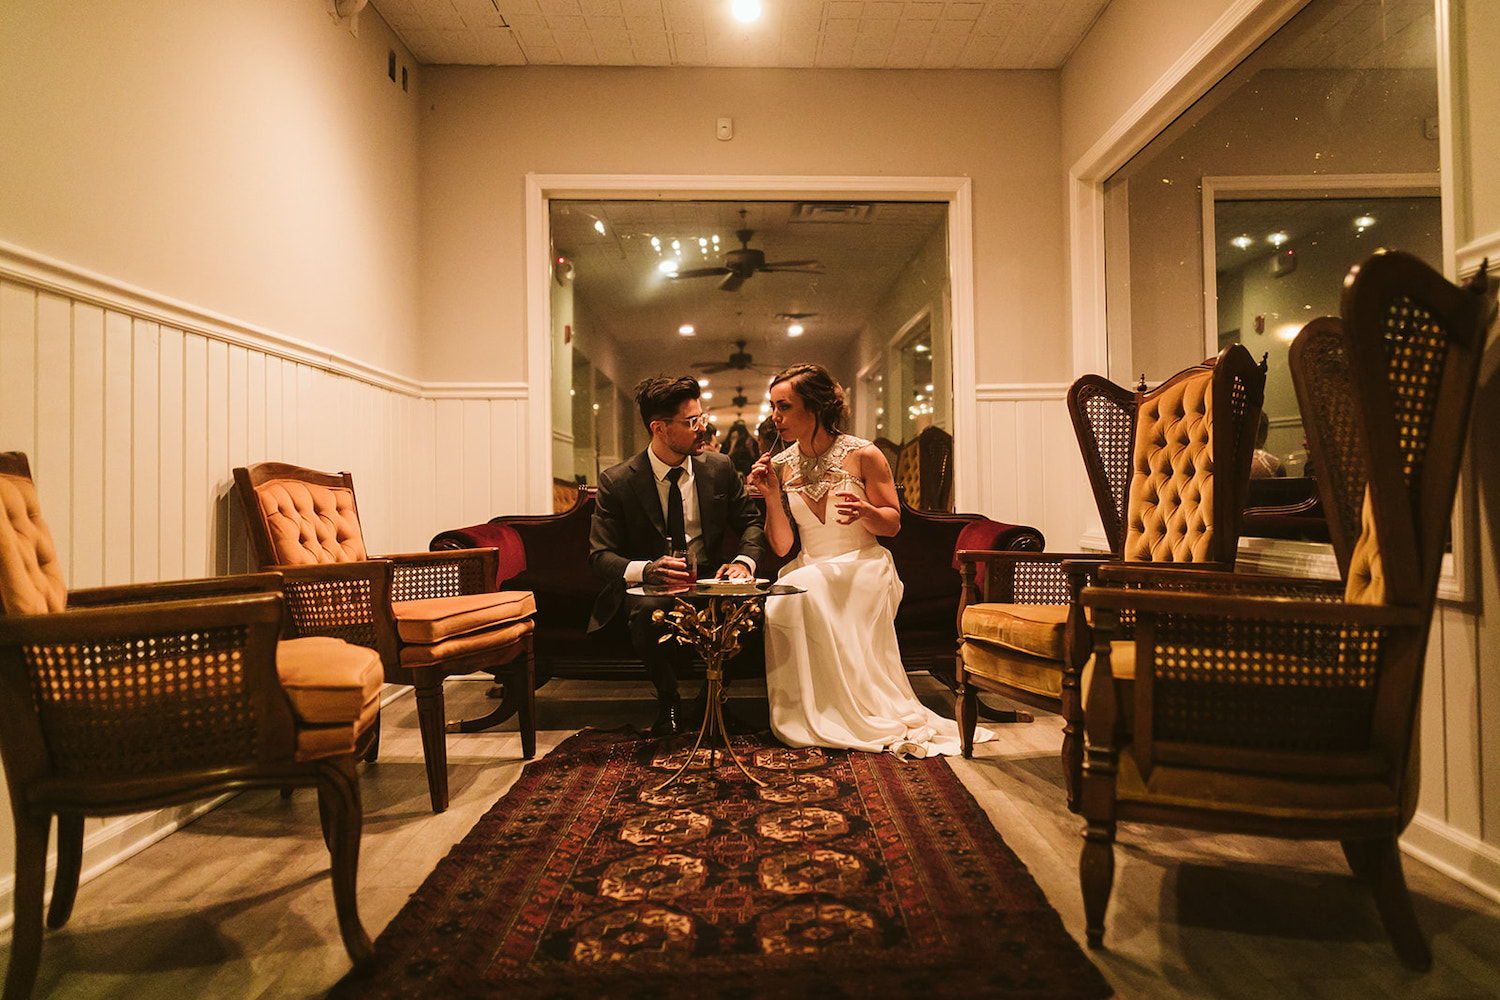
point(1240, 219)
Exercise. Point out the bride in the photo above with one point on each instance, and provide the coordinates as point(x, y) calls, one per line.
point(833, 670)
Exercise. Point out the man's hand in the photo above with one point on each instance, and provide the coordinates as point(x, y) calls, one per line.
point(734, 571)
point(665, 571)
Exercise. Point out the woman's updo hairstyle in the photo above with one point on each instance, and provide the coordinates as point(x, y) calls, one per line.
point(820, 393)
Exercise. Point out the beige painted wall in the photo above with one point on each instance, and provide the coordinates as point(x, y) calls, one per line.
point(1131, 46)
point(484, 129)
point(249, 157)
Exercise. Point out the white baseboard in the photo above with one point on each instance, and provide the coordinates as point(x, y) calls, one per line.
point(1461, 857)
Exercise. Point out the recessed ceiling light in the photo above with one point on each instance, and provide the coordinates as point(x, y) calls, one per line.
point(686, 330)
point(795, 330)
point(599, 226)
point(706, 394)
point(668, 266)
point(1243, 242)
point(1364, 222)
point(1276, 239)
point(746, 10)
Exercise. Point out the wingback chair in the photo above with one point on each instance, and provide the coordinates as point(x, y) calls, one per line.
point(1259, 710)
point(430, 615)
point(1168, 468)
point(119, 700)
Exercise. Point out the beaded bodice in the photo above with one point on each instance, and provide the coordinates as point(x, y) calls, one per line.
point(814, 475)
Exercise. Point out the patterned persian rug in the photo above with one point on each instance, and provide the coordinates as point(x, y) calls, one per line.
point(849, 875)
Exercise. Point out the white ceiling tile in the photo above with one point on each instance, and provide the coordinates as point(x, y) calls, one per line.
point(600, 26)
point(567, 22)
point(844, 8)
point(441, 14)
point(640, 24)
point(651, 49)
point(478, 13)
point(602, 8)
point(883, 9)
point(501, 48)
point(577, 48)
point(549, 55)
point(920, 11)
point(559, 7)
point(528, 23)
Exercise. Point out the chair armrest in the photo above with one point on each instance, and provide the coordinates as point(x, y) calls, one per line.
point(498, 535)
point(175, 590)
point(349, 601)
point(143, 659)
point(1267, 608)
point(1205, 577)
point(1009, 577)
point(446, 573)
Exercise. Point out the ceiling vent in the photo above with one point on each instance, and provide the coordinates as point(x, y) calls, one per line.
point(832, 211)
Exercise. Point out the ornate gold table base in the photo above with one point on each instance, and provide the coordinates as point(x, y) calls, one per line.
point(715, 631)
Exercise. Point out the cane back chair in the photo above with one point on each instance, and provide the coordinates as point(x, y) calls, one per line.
point(1168, 468)
point(1263, 709)
point(430, 615)
point(119, 700)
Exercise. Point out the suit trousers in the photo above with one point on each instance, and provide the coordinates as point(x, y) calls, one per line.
point(661, 659)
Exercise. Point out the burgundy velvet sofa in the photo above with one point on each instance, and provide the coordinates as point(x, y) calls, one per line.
point(548, 555)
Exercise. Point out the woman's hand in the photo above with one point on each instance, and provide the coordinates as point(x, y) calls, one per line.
point(850, 507)
point(763, 477)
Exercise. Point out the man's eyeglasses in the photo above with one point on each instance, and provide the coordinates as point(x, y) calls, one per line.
point(694, 423)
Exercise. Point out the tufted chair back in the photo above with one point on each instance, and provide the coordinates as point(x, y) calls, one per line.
point(1190, 462)
point(306, 517)
point(31, 580)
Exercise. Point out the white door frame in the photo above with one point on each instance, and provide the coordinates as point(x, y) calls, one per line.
point(541, 189)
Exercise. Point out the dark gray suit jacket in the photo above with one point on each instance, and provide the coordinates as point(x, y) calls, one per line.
point(629, 525)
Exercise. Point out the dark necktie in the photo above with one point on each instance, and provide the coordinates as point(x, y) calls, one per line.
point(676, 527)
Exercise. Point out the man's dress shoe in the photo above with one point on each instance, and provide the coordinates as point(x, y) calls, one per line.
point(668, 717)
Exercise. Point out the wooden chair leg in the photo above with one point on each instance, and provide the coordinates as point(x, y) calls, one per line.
point(339, 803)
point(69, 867)
point(428, 683)
point(1096, 875)
point(30, 889)
point(372, 751)
point(527, 680)
point(1379, 861)
point(964, 702)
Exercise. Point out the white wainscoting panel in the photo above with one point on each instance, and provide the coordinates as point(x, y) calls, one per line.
point(134, 410)
point(1029, 468)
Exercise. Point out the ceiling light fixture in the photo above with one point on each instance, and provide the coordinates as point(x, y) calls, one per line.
point(795, 330)
point(599, 226)
point(668, 266)
point(1364, 222)
point(687, 330)
point(1277, 239)
point(1243, 242)
point(746, 10)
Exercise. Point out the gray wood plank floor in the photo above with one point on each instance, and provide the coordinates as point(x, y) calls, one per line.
point(238, 905)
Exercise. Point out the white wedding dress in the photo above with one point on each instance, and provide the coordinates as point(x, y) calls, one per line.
point(833, 669)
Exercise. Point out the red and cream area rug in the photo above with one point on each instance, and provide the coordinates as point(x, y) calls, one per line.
point(848, 875)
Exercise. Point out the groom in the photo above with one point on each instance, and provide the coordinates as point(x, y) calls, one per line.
point(673, 488)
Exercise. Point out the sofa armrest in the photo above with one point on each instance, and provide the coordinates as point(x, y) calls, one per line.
point(510, 552)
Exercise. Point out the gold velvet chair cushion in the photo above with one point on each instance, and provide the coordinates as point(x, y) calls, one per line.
point(1036, 629)
point(1171, 486)
point(1282, 798)
point(1022, 671)
point(438, 619)
point(310, 523)
point(485, 640)
point(334, 688)
point(31, 580)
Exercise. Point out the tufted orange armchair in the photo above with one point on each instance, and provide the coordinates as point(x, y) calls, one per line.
point(1168, 468)
point(118, 700)
point(430, 615)
point(1289, 708)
